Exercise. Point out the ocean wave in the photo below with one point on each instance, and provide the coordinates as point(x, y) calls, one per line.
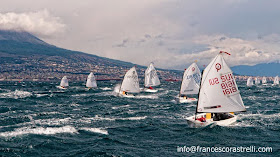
point(106, 88)
point(41, 95)
point(52, 121)
point(146, 96)
point(95, 130)
point(16, 94)
point(39, 131)
point(117, 107)
point(114, 119)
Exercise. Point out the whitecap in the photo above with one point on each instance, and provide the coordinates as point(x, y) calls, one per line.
point(113, 119)
point(147, 96)
point(106, 88)
point(96, 130)
point(39, 131)
point(123, 106)
point(16, 94)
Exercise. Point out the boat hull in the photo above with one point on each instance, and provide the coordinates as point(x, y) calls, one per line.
point(126, 95)
point(150, 90)
point(188, 100)
point(196, 123)
point(60, 87)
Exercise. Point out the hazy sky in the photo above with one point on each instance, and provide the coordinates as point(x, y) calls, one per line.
point(170, 33)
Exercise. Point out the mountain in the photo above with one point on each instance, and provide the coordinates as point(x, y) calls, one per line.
point(24, 56)
point(264, 69)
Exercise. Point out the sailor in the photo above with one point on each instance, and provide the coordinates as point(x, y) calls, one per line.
point(221, 116)
point(124, 93)
point(185, 97)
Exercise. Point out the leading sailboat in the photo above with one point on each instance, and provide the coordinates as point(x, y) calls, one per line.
point(130, 83)
point(151, 79)
point(190, 84)
point(91, 81)
point(218, 97)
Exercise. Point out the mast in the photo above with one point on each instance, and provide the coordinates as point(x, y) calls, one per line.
point(198, 95)
point(181, 83)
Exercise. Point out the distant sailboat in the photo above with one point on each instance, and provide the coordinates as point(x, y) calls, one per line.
point(91, 81)
point(264, 82)
point(218, 96)
point(276, 81)
point(64, 83)
point(151, 79)
point(250, 82)
point(130, 83)
point(190, 84)
point(257, 81)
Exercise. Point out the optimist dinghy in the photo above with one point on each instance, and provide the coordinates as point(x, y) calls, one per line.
point(276, 81)
point(190, 84)
point(63, 83)
point(218, 97)
point(151, 79)
point(130, 84)
point(250, 82)
point(264, 82)
point(91, 81)
point(257, 81)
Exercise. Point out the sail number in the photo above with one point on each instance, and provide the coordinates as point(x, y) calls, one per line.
point(227, 83)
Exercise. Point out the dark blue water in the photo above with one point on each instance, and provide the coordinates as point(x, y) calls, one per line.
point(37, 119)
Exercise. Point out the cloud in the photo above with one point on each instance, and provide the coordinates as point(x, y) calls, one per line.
point(40, 23)
point(172, 34)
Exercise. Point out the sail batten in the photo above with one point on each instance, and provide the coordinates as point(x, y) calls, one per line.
point(191, 80)
point(130, 82)
point(91, 81)
point(219, 92)
point(151, 77)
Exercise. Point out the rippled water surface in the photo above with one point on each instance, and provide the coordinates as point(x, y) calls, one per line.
point(37, 119)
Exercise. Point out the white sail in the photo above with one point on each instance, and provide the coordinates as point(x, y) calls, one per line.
point(218, 91)
point(151, 77)
point(264, 80)
point(64, 82)
point(276, 80)
point(130, 82)
point(250, 82)
point(257, 81)
point(91, 81)
point(191, 80)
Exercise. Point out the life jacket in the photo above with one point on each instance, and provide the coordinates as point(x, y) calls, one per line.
point(150, 87)
point(202, 119)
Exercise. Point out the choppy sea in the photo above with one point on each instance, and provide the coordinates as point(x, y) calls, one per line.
point(37, 119)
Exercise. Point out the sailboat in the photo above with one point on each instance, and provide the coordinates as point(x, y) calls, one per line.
point(250, 82)
point(151, 79)
point(91, 81)
point(276, 81)
point(64, 83)
point(190, 84)
point(218, 96)
point(264, 82)
point(257, 81)
point(130, 83)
